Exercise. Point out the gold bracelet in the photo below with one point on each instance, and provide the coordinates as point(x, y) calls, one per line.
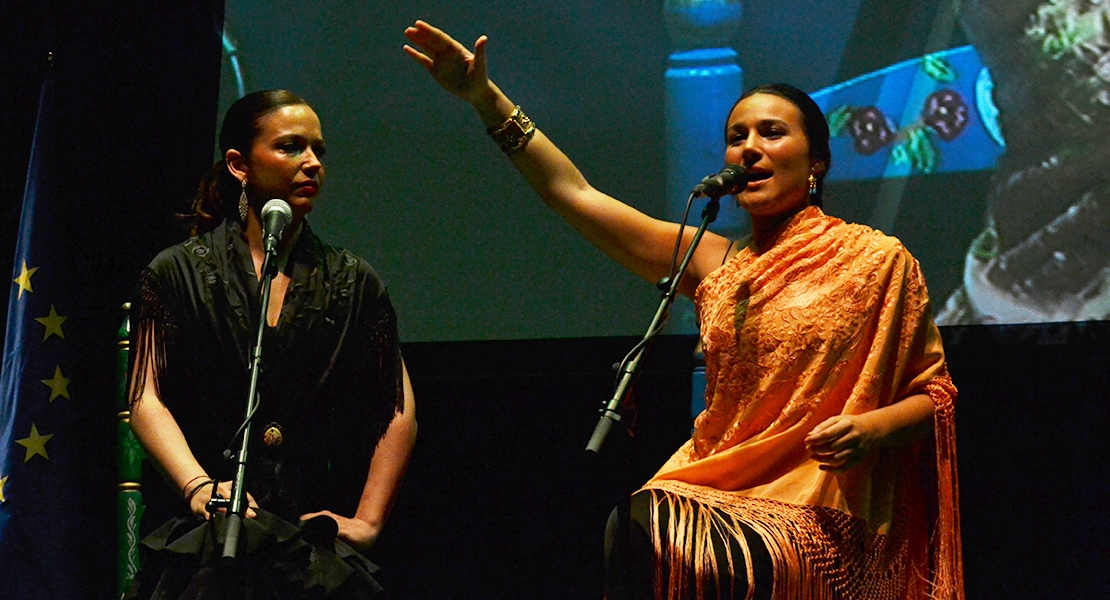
point(514, 133)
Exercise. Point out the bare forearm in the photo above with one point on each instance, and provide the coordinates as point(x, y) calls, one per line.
point(161, 438)
point(903, 422)
point(556, 179)
point(638, 242)
point(387, 467)
point(544, 166)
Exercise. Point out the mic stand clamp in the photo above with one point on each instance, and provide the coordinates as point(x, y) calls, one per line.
point(237, 504)
point(609, 414)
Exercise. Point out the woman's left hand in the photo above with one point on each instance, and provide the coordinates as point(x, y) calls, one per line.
point(357, 533)
point(841, 442)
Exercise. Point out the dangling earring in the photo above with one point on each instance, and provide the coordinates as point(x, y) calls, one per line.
point(812, 185)
point(244, 207)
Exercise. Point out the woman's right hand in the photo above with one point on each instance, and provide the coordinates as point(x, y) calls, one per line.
point(458, 70)
point(199, 500)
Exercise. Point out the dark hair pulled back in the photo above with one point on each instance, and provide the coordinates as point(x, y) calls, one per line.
point(218, 193)
point(813, 123)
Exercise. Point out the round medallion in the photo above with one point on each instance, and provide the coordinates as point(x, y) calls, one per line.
point(272, 435)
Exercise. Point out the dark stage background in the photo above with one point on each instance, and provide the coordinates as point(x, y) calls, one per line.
point(500, 501)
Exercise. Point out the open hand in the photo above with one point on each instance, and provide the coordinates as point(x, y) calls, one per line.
point(841, 442)
point(458, 70)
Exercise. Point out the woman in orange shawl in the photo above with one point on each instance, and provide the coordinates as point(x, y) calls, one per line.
point(824, 464)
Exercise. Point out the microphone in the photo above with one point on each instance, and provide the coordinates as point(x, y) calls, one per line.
point(276, 215)
point(730, 180)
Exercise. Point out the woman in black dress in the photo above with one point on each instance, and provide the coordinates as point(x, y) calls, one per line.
point(336, 422)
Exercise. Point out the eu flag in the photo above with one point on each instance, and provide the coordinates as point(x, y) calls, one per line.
point(39, 501)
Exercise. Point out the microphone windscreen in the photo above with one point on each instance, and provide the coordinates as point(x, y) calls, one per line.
point(735, 174)
point(277, 207)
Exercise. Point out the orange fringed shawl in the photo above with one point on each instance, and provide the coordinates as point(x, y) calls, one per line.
point(832, 319)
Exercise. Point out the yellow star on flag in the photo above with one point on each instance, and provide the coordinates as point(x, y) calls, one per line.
point(3, 498)
point(35, 444)
point(53, 323)
point(24, 280)
point(59, 386)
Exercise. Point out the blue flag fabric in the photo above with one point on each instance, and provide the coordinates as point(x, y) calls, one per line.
point(40, 504)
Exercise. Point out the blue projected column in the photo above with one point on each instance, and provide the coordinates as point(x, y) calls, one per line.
point(703, 80)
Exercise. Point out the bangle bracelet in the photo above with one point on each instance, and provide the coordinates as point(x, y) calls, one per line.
point(193, 492)
point(514, 133)
point(190, 482)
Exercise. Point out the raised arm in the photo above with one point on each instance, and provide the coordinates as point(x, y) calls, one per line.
point(640, 243)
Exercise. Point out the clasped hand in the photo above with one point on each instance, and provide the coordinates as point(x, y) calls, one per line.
point(198, 502)
point(841, 442)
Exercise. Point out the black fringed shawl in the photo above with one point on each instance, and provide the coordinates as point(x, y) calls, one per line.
point(331, 377)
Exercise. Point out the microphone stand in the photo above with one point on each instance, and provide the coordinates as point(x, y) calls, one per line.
point(609, 414)
point(238, 501)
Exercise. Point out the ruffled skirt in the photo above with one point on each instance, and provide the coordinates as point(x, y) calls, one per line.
point(277, 560)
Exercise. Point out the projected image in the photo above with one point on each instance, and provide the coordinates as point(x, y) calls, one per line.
point(1028, 99)
point(1044, 254)
point(974, 131)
